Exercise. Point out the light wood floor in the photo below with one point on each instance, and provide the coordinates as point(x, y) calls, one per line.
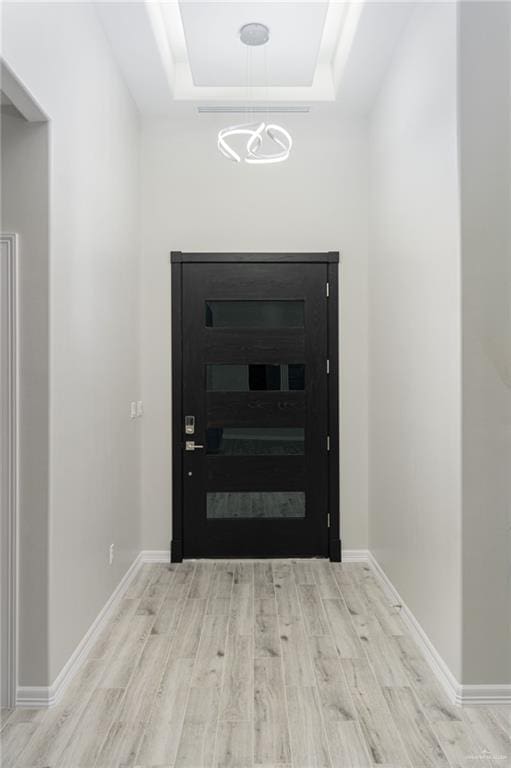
point(273, 664)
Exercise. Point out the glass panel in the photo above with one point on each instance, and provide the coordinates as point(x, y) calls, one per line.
point(258, 504)
point(255, 314)
point(255, 376)
point(256, 441)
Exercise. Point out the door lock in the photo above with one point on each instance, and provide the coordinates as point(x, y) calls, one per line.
point(189, 425)
point(191, 445)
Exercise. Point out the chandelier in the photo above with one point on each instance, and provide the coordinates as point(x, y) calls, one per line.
point(265, 142)
point(256, 132)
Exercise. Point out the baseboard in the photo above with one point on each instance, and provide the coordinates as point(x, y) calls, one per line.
point(463, 695)
point(34, 697)
point(355, 555)
point(39, 697)
point(435, 661)
point(155, 556)
point(487, 695)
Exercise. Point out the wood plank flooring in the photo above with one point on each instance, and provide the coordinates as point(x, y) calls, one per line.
point(276, 664)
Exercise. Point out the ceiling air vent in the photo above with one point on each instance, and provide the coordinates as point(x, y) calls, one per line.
point(254, 110)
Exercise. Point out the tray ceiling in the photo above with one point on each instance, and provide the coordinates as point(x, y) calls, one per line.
point(189, 51)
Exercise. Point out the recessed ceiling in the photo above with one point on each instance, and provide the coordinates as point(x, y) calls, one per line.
point(189, 51)
point(211, 62)
point(217, 57)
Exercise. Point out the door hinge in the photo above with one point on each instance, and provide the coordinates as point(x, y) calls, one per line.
point(327, 366)
point(327, 290)
point(328, 520)
point(328, 442)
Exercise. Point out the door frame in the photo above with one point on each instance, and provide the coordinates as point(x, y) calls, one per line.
point(331, 259)
point(10, 447)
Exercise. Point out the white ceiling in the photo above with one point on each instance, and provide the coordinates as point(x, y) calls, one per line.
point(217, 57)
point(187, 51)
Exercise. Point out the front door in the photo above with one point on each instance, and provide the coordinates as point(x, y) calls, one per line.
point(253, 436)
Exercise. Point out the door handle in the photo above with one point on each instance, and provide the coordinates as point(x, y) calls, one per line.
point(191, 445)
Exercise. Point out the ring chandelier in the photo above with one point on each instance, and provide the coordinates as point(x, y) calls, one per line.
point(256, 132)
point(259, 135)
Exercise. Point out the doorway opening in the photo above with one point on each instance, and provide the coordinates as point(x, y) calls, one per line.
point(24, 390)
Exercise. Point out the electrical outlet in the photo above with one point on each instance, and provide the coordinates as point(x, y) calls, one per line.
point(140, 408)
point(133, 410)
point(111, 554)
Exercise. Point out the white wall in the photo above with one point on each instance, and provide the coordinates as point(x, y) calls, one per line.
point(194, 199)
point(485, 152)
point(60, 52)
point(414, 329)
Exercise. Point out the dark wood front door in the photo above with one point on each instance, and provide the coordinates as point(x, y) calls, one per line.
point(252, 412)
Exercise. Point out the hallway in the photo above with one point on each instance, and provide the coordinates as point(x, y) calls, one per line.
point(276, 663)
